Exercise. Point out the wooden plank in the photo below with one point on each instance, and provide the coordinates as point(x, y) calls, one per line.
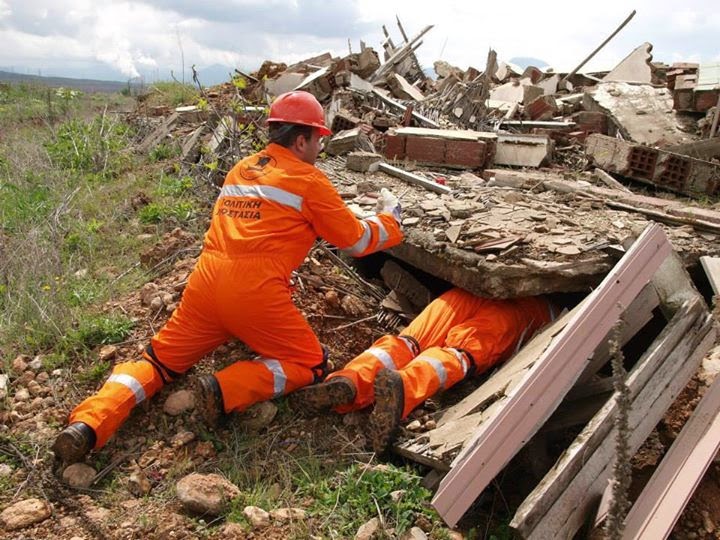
point(667, 493)
point(637, 315)
point(608, 180)
point(570, 510)
point(530, 512)
point(402, 107)
point(547, 382)
point(413, 178)
point(711, 265)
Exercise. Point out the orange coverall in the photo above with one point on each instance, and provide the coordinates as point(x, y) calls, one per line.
point(271, 209)
point(456, 335)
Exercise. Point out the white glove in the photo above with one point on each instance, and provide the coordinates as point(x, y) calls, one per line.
point(388, 203)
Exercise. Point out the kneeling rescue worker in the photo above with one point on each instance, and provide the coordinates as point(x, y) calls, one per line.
point(456, 336)
point(272, 207)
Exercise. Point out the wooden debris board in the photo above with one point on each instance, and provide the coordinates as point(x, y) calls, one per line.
point(559, 505)
point(667, 493)
point(515, 420)
point(711, 265)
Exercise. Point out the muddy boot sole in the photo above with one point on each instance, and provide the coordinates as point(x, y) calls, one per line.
point(384, 421)
point(74, 443)
point(322, 397)
point(208, 399)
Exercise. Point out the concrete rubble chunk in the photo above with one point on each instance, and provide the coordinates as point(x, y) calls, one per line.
point(666, 170)
point(523, 150)
point(347, 141)
point(635, 68)
point(363, 161)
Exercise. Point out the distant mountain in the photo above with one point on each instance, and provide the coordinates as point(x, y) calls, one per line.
point(525, 61)
point(85, 85)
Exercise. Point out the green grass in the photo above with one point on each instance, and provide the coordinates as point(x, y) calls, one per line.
point(173, 94)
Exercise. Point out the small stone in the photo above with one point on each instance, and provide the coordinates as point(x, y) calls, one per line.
point(42, 377)
point(20, 363)
point(34, 388)
point(233, 531)
point(5, 470)
point(258, 416)
point(430, 424)
point(257, 517)
point(25, 513)
point(107, 352)
point(26, 377)
point(166, 298)
point(179, 402)
point(284, 515)
point(172, 307)
point(455, 535)
point(148, 293)
point(36, 364)
point(368, 530)
point(205, 493)
point(138, 483)
point(415, 425)
point(353, 306)
point(395, 496)
point(332, 298)
point(22, 395)
point(79, 475)
point(182, 438)
point(156, 303)
point(416, 533)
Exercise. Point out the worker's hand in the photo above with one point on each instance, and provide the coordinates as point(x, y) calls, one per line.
point(388, 203)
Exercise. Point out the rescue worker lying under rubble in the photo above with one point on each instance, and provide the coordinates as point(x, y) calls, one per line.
point(272, 207)
point(456, 336)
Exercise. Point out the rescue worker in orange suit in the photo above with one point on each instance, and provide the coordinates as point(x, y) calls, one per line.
point(272, 207)
point(456, 336)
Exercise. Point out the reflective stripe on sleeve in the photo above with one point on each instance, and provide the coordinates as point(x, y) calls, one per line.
point(383, 233)
point(131, 383)
point(409, 343)
point(278, 373)
point(437, 366)
point(462, 360)
point(269, 193)
point(383, 356)
point(361, 245)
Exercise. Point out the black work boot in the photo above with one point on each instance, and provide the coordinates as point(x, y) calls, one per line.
point(385, 418)
point(208, 399)
point(321, 397)
point(74, 442)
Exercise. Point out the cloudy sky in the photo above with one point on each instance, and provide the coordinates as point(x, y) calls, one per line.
point(114, 39)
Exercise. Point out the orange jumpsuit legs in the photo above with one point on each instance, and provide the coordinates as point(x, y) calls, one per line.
point(435, 369)
point(391, 352)
point(130, 384)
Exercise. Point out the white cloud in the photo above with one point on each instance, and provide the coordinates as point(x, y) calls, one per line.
point(135, 36)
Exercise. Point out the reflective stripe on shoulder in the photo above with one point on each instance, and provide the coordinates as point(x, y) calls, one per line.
point(269, 193)
point(385, 359)
point(278, 373)
point(361, 245)
point(131, 383)
point(437, 366)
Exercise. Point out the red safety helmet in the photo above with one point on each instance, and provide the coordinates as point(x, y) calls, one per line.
point(299, 107)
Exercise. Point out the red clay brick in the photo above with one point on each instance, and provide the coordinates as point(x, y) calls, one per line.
point(394, 147)
point(425, 149)
point(467, 153)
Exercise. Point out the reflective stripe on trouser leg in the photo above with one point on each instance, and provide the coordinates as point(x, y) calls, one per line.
point(129, 384)
point(435, 369)
point(388, 352)
point(247, 382)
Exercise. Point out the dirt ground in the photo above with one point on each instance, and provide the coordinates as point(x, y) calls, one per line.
point(166, 448)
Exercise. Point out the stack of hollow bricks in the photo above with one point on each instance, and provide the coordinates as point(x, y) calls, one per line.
point(472, 154)
point(671, 171)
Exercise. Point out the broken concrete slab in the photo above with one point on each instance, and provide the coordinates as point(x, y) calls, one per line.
point(635, 68)
point(542, 108)
point(363, 161)
point(515, 92)
point(284, 83)
point(640, 113)
point(347, 141)
point(706, 149)
point(674, 172)
point(522, 150)
point(402, 89)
